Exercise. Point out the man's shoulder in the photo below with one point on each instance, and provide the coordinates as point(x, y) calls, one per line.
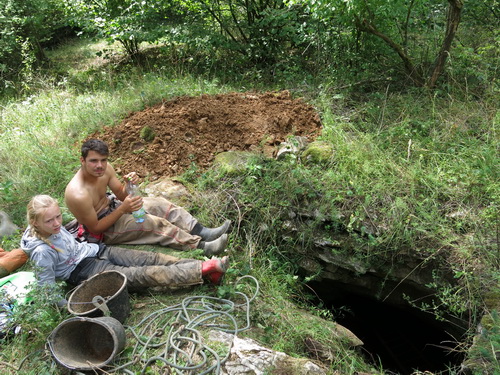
point(76, 190)
point(76, 194)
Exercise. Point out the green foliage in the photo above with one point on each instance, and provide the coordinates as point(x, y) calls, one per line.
point(411, 171)
point(251, 34)
point(277, 40)
point(483, 355)
point(25, 26)
point(7, 193)
point(40, 315)
point(128, 22)
point(381, 33)
point(147, 133)
point(36, 319)
point(22, 167)
point(474, 64)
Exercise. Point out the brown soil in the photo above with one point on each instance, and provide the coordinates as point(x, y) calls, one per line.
point(194, 129)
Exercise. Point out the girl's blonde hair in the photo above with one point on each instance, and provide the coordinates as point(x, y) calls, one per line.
point(36, 208)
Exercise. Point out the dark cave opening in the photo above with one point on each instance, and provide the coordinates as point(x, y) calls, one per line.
point(400, 339)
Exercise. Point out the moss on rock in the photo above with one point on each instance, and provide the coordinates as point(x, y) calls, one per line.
point(319, 152)
point(147, 134)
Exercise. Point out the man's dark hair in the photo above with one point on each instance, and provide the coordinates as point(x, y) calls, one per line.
point(94, 145)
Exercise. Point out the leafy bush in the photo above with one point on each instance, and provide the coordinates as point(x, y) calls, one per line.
point(25, 26)
point(127, 22)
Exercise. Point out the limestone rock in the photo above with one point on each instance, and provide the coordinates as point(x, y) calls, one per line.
point(482, 356)
point(250, 358)
point(319, 152)
point(169, 189)
point(292, 146)
point(7, 227)
point(233, 161)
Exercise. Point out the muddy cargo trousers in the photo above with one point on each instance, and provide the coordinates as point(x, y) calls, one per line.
point(143, 269)
point(165, 224)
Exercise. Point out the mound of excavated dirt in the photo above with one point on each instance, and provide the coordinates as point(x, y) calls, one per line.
point(190, 130)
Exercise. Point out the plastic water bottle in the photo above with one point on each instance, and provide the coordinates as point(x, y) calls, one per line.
point(133, 190)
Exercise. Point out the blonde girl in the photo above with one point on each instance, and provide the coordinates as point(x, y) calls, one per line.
point(59, 256)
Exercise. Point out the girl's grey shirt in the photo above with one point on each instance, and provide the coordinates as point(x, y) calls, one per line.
point(52, 264)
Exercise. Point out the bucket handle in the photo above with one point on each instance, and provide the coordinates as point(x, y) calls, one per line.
point(100, 303)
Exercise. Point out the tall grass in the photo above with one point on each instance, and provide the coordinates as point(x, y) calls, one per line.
point(407, 186)
point(418, 173)
point(410, 172)
point(41, 135)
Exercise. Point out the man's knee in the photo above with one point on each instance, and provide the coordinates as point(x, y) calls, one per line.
point(156, 206)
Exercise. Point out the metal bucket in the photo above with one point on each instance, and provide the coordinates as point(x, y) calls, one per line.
point(87, 343)
point(104, 294)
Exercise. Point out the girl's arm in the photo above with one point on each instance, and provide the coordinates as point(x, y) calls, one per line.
point(45, 262)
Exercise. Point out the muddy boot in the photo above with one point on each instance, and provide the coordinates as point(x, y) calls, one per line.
point(210, 234)
point(214, 247)
point(213, 270)
point(214, 265)
point(215, 278)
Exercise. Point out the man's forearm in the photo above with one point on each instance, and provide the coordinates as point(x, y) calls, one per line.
point(107, 221)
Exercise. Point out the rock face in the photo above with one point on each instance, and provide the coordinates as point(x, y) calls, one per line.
point(166, 188)
point(385, 282)
point(291, 146)
point(483, 356)
point(234, 161)
point(318, 152)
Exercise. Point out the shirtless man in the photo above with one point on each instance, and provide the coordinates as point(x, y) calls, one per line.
point(104, 217)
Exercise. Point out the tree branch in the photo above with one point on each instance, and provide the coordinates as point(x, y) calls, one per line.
point(366, 26)
point(221, 24)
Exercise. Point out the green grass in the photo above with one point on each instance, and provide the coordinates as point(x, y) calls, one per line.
point(41, 135)
point(411, 172)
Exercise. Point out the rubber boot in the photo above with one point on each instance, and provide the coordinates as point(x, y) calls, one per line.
point(214, 265)
point(210, 234)
point(214, 269)
point(215, 278)
point(214, 247)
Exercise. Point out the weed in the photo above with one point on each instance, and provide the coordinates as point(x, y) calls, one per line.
point(148, 134)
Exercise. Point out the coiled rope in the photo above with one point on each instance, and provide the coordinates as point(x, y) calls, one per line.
point(176, 339)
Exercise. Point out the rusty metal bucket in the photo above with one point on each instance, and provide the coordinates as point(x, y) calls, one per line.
point(83, 344)
point(104, 294)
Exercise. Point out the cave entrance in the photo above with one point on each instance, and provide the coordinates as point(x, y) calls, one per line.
point(400, 339)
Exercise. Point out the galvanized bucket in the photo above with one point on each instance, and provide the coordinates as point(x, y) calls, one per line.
point(104, 294)
point(84, 344)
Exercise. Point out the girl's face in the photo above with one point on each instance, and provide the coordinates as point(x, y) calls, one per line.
point(50, 221)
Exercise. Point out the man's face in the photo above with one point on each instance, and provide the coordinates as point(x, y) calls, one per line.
point(95, 164)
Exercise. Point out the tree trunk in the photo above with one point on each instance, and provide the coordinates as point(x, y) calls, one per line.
point(452, 22)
